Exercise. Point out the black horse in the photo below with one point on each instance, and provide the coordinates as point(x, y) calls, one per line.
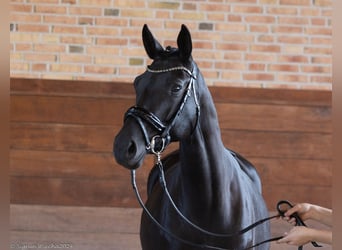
point(213, 187)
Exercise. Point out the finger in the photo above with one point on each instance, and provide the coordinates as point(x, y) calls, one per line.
point(291, 211)
point(281, 241)
point(293, 221)
point(284, 239)
point(286, 218)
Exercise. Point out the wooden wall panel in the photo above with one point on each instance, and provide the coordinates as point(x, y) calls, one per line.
point(90, 165)
point(119, 193)
point(279, 145)
point(75, 192)
point(270, 117)
point(62, 134)
point(108, 111)
point(66, 137)
point(69, 110)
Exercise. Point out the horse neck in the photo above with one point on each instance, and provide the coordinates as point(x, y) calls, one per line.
point(204, 157)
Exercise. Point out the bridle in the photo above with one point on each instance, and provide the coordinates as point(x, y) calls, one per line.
point(157, 145)
point(159, 142)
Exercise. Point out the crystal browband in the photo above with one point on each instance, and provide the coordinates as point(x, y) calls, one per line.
point(168, 70)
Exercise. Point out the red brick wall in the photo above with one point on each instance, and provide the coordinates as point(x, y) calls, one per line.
point(249, 43)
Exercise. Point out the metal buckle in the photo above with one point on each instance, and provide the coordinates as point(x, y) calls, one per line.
point(157, 144)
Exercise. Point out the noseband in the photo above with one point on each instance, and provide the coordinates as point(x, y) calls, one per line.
point(141, 115)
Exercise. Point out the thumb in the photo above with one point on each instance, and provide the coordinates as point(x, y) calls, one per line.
point(283, 239)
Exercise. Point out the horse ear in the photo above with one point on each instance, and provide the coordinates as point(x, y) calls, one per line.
point(152, 46)
point(184, 43)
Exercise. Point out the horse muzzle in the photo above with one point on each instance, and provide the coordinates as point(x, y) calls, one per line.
point(129, 150)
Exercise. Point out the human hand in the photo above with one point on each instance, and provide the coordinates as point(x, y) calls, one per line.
point(301, 235)
point(298, 236)
point(302, 209)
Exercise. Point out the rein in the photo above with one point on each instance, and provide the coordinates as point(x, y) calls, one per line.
point(168, 232)
point(299, 221)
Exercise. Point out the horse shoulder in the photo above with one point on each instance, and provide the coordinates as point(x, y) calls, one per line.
point(248, 168)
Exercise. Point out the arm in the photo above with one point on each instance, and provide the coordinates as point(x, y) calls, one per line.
point(322, 214)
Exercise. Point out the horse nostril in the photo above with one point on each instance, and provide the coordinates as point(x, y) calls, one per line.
point(132, 149)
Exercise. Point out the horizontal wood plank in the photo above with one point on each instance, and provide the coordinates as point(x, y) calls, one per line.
point(279, 145)
point(119, 193)
point(275, 171)
point(320, 195)
point(274, 96)
point(74, 192)
point(62, 164)
point(72, 110)
point(110, 112)
point(70, 88)
point(77, 138)
point(267, 117)
point(126, 90)
point(78, 165)
point(65, 137)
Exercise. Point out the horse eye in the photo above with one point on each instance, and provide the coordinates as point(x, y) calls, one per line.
point(176, 88)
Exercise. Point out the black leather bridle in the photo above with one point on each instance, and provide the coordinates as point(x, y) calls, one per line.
point(157, 145)
point(163, 138)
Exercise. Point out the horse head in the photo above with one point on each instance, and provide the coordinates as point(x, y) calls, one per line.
point(162, 112)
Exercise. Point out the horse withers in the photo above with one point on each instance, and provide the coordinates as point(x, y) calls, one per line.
point(214, 188)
